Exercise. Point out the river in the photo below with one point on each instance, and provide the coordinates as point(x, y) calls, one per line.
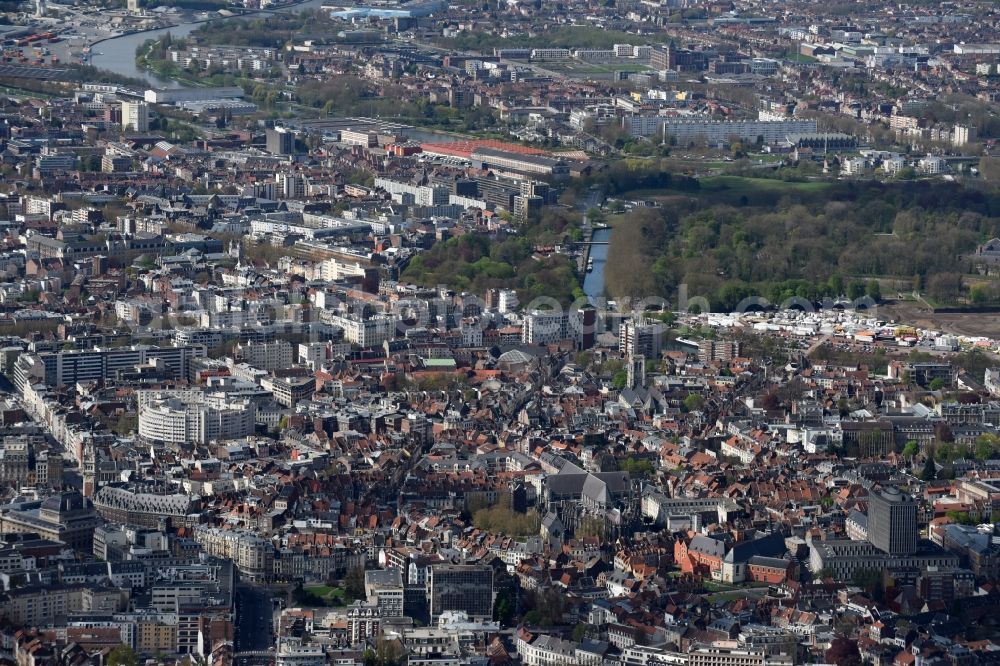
point(118, 53)
point(593, 282)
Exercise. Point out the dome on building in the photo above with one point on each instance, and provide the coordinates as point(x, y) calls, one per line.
point(516, 360)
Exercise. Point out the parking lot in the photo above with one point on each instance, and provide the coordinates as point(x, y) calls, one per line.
point(31, 72)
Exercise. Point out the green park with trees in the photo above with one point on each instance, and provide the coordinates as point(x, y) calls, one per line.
point(476, 262)
point(729, 239)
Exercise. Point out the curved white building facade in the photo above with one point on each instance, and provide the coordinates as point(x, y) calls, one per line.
point(193, 417)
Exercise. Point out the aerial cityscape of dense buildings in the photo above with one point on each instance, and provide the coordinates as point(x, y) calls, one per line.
point(629, 333)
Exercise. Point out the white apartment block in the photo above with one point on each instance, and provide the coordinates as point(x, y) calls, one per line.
point(716, 132)
point(273, 355)
point(547, 651)
point(549, 327)
point(932, 165)
point(423, 195)
point(193, 417)
point(312, 354)
point(292, 653)
point(550, 54)
point(507, 301)
point(252, 554)
point(370, 332)
point(135, 116)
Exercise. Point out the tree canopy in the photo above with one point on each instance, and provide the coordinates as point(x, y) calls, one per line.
point(476, 262)
point(740, 237)
point(123, 655)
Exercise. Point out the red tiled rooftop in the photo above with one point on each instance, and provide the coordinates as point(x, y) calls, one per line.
point(466, 148)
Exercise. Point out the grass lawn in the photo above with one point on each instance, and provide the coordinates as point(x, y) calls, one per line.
point(678, 162)
point(727, 592)
point(935, 303)
point(585, 68)
point(742, 185)
point(713, 586)
point(25, 92)
point(626, 67)
point(739, 190)
point(328, 593)
point(699, 165)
